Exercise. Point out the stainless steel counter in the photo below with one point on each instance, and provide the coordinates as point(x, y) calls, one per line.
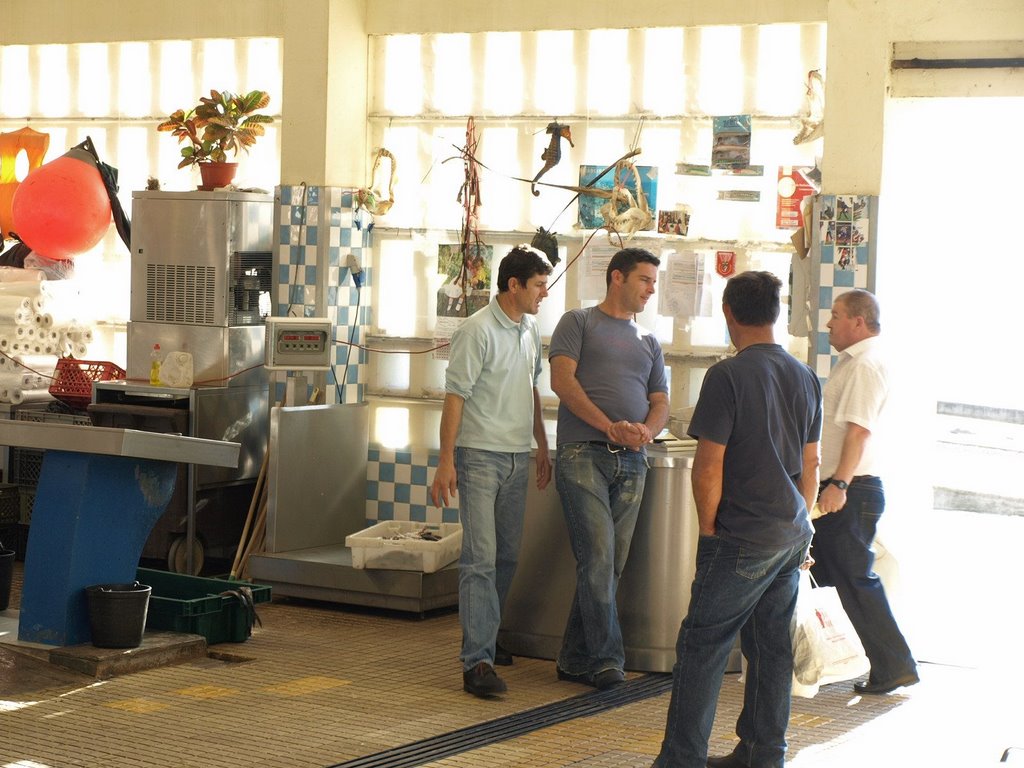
point(654, 591)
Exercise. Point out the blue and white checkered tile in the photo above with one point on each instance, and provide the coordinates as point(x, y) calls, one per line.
point(318, 229)
point(398, 487)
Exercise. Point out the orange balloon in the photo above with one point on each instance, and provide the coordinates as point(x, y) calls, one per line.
point(61, 209)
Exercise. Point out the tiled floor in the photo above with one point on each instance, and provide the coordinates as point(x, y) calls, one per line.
point(319, 684)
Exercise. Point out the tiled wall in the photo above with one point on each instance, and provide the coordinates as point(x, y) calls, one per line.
point(318, 227)
point(398, 487)
point(835, 270)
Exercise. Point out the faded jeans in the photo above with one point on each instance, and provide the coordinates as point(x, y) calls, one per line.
point(600, 493)
point(735, 589)
point(492, 499)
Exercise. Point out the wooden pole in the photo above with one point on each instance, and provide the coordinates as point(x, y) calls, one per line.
point(257, 493)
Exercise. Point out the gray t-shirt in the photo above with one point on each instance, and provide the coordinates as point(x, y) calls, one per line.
point(618, 364)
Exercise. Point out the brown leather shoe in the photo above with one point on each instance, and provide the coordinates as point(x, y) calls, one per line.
point(879, 689)
point(483, 681)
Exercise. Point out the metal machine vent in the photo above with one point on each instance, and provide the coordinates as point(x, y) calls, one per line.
point(181, 294)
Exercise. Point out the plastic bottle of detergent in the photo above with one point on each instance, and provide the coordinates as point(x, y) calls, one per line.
point(154, 366)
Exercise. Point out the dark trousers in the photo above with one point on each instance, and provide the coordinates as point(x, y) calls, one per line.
point(843, 558)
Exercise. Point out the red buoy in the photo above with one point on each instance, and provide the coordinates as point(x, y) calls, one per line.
point(61, 209)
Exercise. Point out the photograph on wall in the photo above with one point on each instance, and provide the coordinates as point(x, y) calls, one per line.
point(731, 141)
point(467, 284)
point(590, 205)
point(844, 230)
point(673, 222)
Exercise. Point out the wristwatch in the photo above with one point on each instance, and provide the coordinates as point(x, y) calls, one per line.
point(842, 485)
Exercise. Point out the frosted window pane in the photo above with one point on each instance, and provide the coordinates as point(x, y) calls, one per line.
point(503, 73)
point(453, 75)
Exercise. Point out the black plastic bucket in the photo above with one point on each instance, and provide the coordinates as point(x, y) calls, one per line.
point(117, 614)
point(6, 576)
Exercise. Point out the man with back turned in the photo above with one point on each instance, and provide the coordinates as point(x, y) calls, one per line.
point(757, 424)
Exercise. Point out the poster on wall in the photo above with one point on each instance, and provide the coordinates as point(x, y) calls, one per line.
point(590, 205)
point(466, 288)
point(792, 187)
point(731, 141)
point(467, 279)
point(685, 289)
point(844, 230)
point(593, 268)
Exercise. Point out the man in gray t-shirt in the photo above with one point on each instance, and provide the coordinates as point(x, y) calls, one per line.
point(609, 375)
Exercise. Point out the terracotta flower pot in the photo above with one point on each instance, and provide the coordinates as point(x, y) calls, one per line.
point(216, 175)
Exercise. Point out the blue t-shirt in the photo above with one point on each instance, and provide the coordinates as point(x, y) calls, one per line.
point(764, 406)
point(618, 364)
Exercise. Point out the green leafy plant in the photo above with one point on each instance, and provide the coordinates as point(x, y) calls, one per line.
point(222, 122)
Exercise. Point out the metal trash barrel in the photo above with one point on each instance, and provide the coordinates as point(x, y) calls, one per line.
point(117, 614)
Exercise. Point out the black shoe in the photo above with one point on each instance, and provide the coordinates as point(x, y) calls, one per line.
point(726, 761)
point(502, 657)
point(879, 689)
point(483, 681)
point(608, 678)
point(569, 677)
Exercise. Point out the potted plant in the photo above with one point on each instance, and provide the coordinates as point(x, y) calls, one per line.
point(222, 122)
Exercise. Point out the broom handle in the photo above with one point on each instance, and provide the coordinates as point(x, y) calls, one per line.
point(256, 494)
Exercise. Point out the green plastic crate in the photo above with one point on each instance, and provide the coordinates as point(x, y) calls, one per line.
point(193, 604)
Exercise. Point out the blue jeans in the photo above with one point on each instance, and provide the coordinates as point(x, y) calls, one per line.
point(600, 493)
point(492, 499)
point(735, 589)
point(844, 560)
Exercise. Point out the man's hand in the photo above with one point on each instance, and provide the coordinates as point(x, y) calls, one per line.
point(832, 499)
point(543, 469)
point(445, 484)
point(633, 435)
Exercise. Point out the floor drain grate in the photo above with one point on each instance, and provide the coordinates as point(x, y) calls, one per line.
point(494, 731)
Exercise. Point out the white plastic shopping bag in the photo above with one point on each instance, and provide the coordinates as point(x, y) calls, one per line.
point(826, 648)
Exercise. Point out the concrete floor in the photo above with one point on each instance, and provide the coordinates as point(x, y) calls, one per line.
point(321, 684)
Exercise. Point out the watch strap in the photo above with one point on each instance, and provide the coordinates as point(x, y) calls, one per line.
point(842, 485)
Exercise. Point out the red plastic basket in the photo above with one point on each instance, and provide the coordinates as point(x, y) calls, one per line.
point(72, 379)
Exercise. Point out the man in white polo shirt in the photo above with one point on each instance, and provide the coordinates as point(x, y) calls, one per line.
point(851, 495)
point(491, 409)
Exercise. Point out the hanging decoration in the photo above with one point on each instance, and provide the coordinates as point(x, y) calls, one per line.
point(372, 197)
point(546, 243)
point(553, 153)
point(625, 213)
point(725, 263)
point(812, 126)
point(34, 144)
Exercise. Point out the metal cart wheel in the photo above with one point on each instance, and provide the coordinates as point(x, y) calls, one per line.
point(177, 556)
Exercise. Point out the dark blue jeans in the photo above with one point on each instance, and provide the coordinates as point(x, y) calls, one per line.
point(844, 560)
point(735, 590)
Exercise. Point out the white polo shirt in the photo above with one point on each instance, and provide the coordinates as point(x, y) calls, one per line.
point(855, 392)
